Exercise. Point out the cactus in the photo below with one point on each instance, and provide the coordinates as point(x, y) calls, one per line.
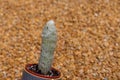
point(49, 39)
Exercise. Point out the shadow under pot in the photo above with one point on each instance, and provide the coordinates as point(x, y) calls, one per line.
point(31, 72)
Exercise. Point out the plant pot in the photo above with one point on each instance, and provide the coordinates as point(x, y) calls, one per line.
point(31, 75)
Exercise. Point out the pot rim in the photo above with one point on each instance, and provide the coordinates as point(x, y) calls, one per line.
point(41, 75)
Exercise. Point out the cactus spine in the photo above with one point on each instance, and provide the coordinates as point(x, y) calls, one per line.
point(49, 39)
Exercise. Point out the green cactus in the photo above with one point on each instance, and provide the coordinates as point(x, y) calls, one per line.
point(49, 39)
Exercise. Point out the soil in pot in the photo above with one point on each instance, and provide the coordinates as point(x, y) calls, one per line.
point(34, 68)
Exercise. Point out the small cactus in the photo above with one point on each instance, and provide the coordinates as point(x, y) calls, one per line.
point(49, 39)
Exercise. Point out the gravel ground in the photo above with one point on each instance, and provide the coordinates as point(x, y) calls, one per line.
point(88, 45)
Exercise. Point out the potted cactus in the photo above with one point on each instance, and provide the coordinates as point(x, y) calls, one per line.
point(43, 70)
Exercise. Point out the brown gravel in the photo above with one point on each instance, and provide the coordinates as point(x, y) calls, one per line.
point(88, 37)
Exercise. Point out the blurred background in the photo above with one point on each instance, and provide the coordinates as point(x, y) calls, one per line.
point(88, 46)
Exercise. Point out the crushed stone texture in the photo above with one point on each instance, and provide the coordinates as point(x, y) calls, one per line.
point(88, 46)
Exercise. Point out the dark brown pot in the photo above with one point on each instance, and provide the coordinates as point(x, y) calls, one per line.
point(30, 75)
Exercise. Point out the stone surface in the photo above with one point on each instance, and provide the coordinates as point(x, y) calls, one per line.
point(88, 46)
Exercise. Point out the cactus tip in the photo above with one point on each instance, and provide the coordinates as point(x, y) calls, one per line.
point(50, 22)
